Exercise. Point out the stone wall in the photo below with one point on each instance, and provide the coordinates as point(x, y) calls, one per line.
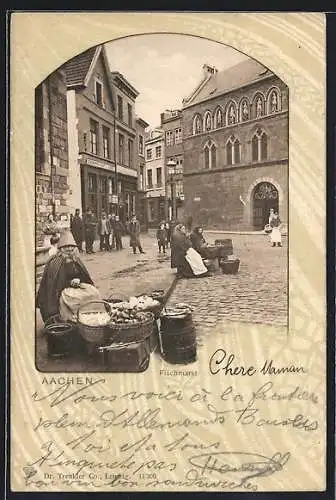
point(51, 123)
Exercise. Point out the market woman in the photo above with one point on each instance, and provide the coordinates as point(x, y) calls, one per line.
point(197, 239)
point(188, 262)
point(59, 273)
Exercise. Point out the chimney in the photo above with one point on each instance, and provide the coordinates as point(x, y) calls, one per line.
point(209, 70)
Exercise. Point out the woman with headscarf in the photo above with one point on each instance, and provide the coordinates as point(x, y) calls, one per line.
point(59, 273)
point(183, 257)
point(197, 239)
point(50, 229)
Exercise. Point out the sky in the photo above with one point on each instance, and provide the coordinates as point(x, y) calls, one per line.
point(165, 68)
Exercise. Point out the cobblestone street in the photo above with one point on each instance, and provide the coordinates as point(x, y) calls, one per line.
point(257, 294)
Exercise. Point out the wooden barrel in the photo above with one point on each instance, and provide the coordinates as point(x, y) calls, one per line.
point(60, 339)
point(178, 339)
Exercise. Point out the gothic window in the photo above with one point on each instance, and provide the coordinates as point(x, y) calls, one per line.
point(233, 151)
point(244, 111)
point(210, 155)
point(259, 146)
point(218, 118)
point(213, 156)
point(197, 125)
point(207, 122)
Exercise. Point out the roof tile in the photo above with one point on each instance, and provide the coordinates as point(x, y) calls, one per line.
point(77, 68)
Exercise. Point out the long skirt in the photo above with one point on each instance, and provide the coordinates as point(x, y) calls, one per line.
point(276, 235)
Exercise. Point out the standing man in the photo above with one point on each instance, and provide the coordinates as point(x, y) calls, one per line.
point(77, 229)
point(104, 231)
point(90, 230)
point(113, 237)
point(134, 231)
point(118, 232)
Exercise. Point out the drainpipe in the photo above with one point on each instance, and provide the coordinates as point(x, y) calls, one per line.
point(51, 143)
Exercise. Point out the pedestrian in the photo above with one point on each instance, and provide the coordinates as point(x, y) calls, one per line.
point(168, 231)
point(90, 225)
point(271, 215)
point(161, 236)
point(276, 233)
point(119, 230)
point(53, 242)
point(111, 218)
point(50, 229)
point(104, 231)
point(77, 229)
point(134, 231)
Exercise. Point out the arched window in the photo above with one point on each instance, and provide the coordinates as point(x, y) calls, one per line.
point(207, 122)
point(259, 145)
point(273, 101)
point(232, 151)
point(219, 118)
point(210, 155)
point(197, 125)
point(258, 106)
point(244, 110)
point(231, 113)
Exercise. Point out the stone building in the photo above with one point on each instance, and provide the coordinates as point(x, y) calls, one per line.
point(51, 152)
point(102, 135)
point(155, 179)
point(141, 126)
point(171, 124)
point(235, 146)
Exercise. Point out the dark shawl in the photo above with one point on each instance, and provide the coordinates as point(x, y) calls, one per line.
point(57, 275)
point(179, 246)
point(197, 240)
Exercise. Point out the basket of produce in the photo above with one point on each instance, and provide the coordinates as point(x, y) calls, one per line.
point(129, 324)
point(158, 295)
point(230, 265)
point(147, 303)
point(92, 319)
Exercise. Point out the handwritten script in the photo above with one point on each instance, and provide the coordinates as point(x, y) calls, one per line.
point(151, 440)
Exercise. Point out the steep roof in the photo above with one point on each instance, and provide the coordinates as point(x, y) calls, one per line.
point(239, 75)
point(76, 69)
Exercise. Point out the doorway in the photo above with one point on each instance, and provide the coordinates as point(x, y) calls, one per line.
point(265, 197)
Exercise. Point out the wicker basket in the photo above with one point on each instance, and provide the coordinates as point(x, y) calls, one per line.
point(123, 333)
point(93, 334)
point(210, 252)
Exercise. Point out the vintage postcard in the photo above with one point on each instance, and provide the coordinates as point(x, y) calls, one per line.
point(168, 308)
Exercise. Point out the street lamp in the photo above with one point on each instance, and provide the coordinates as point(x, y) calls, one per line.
point(171, 172)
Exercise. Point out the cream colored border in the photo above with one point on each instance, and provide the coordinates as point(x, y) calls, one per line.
point(290, 44)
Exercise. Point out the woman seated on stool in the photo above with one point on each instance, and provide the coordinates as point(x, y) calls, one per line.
point(197, 240)
point(188, 262)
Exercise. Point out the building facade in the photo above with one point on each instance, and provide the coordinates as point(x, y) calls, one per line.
point(102, 136)
point(171, 124)
point(51, 152)
point(155, 179)
point(235, 147)
point(141, 126)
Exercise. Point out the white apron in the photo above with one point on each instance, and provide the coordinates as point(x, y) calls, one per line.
point(276, 235)
point(195, 261)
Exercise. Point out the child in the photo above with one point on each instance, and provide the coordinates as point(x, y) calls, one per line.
point(161, 236)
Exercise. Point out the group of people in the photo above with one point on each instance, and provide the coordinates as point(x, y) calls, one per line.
point(186, 252)
point(109, 228)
